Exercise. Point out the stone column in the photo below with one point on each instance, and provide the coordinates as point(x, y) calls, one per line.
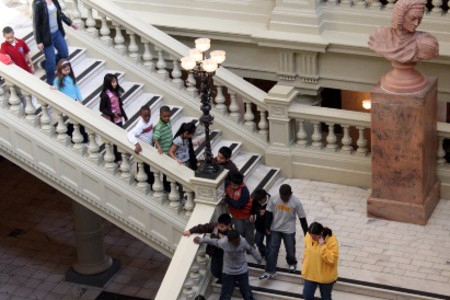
point(93, 266)
point(405, 187)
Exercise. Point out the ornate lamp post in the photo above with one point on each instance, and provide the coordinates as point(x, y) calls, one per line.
point(203, 71)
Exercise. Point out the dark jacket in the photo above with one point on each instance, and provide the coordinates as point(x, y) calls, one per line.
point(210, 228)
point(260, 220)
point(105, 107)
point(41, 25)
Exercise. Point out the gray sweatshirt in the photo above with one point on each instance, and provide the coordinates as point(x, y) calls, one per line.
point(234, 262)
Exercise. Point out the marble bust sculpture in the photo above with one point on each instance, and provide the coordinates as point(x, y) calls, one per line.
point(404, 47)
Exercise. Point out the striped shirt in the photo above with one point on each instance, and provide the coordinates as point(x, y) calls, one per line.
point(163, 134)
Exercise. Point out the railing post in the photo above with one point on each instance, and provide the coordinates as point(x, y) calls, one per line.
point(14, 101)
point(30, 110)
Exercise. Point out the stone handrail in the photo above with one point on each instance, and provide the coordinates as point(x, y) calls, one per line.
point(241, 94)
point(435, 7)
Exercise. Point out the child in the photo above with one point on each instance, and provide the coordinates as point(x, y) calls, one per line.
point(258, 216)
point(320, 261)
point(163, 136)
point(111, 104)
point(224, 158)
point(235, 269)
point(217, 230)
point(66, 83)
point(239, 203)
point(17, 50)
point(182, 149)
point(144, 131)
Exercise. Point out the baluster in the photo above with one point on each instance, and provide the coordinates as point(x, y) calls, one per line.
point(141, 177)
point(45, 120)
point(249, 117)
point(176, 74)
point(188, 289)
point(390, 4)
point(125, 167)
point(376, 4)
point(62, 4)
point(195, 272)
point(331, 138)
point(109, 158)
point(234, 107)
point(189, 206)
point(77, 138)
point(93, 148)
point(15, 103)
point(346, 139)
point(133, 48)
point(147, 57)
point(158, 188)
point(3, 101)
point(190, 83)
point(105, 32)
point(61, 129)
point(346, 3)
point(441, 152)
point(220, 100)
point(30, 110)
point(90, 24)
point(302, 137)
point(174, 195)
point(360, 3)
point(361, 142)
point(332, 2)
point(161, 65)
point(263, 125)
point(119, 40)
point(437, 7)
point(316, 136)
point(76, 14)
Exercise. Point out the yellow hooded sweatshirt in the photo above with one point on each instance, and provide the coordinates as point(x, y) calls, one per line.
point(320, 261)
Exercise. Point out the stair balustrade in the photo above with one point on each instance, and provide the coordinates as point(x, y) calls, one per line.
point(160, 53)
point(433, 6)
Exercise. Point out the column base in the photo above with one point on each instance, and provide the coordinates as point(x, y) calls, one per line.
point(401, 211)
point(98, 280)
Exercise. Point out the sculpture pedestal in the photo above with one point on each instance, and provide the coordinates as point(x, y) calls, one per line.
point(404, 146)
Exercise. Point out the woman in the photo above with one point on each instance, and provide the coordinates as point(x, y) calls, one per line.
point(49, 33)
point(320, 259)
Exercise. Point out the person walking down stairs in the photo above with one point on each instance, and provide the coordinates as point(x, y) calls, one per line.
point(320, 261)
point(235, 268)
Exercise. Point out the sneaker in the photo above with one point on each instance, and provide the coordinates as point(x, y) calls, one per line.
point(292, 268)
point(267, 275)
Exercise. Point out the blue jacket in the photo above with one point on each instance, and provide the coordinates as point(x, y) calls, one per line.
point(70, 88)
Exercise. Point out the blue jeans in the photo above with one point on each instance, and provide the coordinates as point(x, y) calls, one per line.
point(309, 287)
point(51, 59)
point(229, 282)
point(274, 247)
point(259, 241)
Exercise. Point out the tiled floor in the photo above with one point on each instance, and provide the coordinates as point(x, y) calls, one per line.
point(37, 246)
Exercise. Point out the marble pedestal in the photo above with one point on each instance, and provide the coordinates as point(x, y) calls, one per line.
point(404, 146)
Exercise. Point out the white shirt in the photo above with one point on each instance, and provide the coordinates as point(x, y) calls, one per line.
point(142, 130)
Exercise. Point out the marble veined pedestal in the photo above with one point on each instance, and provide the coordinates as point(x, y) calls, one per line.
point(405, 187)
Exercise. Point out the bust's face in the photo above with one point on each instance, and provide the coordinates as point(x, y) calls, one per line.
point(412, 19)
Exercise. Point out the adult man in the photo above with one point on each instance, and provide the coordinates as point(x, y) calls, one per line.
point(280, 224)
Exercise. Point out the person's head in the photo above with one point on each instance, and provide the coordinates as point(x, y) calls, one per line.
point(111, 83)
point(63, 69)
point(259, 195)
point(224, 155)
point(407, 15)
point(236, 179)
point(285, 192)
point(8, 34)
point(145, 113)
point(224, 223)
point(317, 231)
point(186, 130)
point(164, 114)
point(234, 237)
